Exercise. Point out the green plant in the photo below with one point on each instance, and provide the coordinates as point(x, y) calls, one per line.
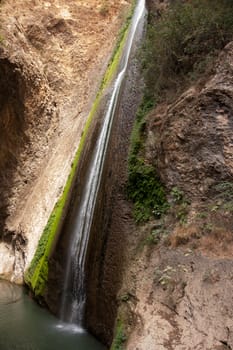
point(125, 297)
point(155, 236)
point(183, 43)
point(214, 207)
point(145, 190)
point(177, 195)
point(228, 206)
point(202, 215)
point(224, 191)
point(120, 337)
point(180, 204)
point(208, 227)
point(144, 187)
point(182, 212)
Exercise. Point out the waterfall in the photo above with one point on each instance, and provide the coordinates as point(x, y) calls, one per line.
point(73, 297)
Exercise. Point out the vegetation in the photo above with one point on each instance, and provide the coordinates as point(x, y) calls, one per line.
point(156, 236)
point(144, 187)
point(182, 44)
point(179, 47)
point(224, 191)
point(180, 204)
point(37, 274)
point(120, 337)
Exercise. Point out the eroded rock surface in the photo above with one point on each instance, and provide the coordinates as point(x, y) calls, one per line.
point(193, 142)
point(177, 292)
point(184, 303)
point(52, 58)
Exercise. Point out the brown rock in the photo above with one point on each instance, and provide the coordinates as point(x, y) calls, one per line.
point(193, 146)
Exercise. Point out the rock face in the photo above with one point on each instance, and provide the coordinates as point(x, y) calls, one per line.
point(52, 58)
point(28, 118)
point(182, 304)
point(179, 280)
point(112, 222)
point(193, 142)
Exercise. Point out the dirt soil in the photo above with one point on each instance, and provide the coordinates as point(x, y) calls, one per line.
point(52, 58)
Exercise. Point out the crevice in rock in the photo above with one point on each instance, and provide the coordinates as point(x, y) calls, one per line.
point(19, 243)
point(170, 308)
point(12, 124)
point(193, 322)
point(226, 344)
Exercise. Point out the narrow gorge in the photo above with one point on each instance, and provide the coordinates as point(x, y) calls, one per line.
point(116, 175)
point(106, 106)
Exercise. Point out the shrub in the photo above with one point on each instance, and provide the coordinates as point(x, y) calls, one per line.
point(224, 190)
point(183, 42)
point(144, 187)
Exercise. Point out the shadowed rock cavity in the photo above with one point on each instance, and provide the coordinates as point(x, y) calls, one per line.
point(12, 125)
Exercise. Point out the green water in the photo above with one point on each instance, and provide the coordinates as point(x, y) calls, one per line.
point(26, 326)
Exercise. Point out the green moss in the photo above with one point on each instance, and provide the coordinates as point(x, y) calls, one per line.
point(37, 274)
point(120, 337)
point(144, 187)
point(114, 61)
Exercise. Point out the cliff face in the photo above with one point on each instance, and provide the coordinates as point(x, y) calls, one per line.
point(178, 285)
point(193, 147)
point(52, 58)
point(177, 290)
point(112, 222)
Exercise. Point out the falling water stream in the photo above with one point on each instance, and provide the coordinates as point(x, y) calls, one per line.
point(23, 324)
point(73, 298)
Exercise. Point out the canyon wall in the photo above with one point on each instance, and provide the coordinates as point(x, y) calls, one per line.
point(112, 220)
point(52, 59)
point(176, 291)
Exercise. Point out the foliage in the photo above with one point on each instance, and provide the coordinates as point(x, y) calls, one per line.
point(37, 274)
point(125, 297)
point(117, 52)
point(120, 337)
point(144, 187)
point(180, 204)
point(181, 45)
point(225, 190)
point(145, 191)
point(156, 235)
point(182, 212)
point(177, 195)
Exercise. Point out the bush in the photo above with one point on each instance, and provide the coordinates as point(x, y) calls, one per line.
point(183, 42)
point(144, 187)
